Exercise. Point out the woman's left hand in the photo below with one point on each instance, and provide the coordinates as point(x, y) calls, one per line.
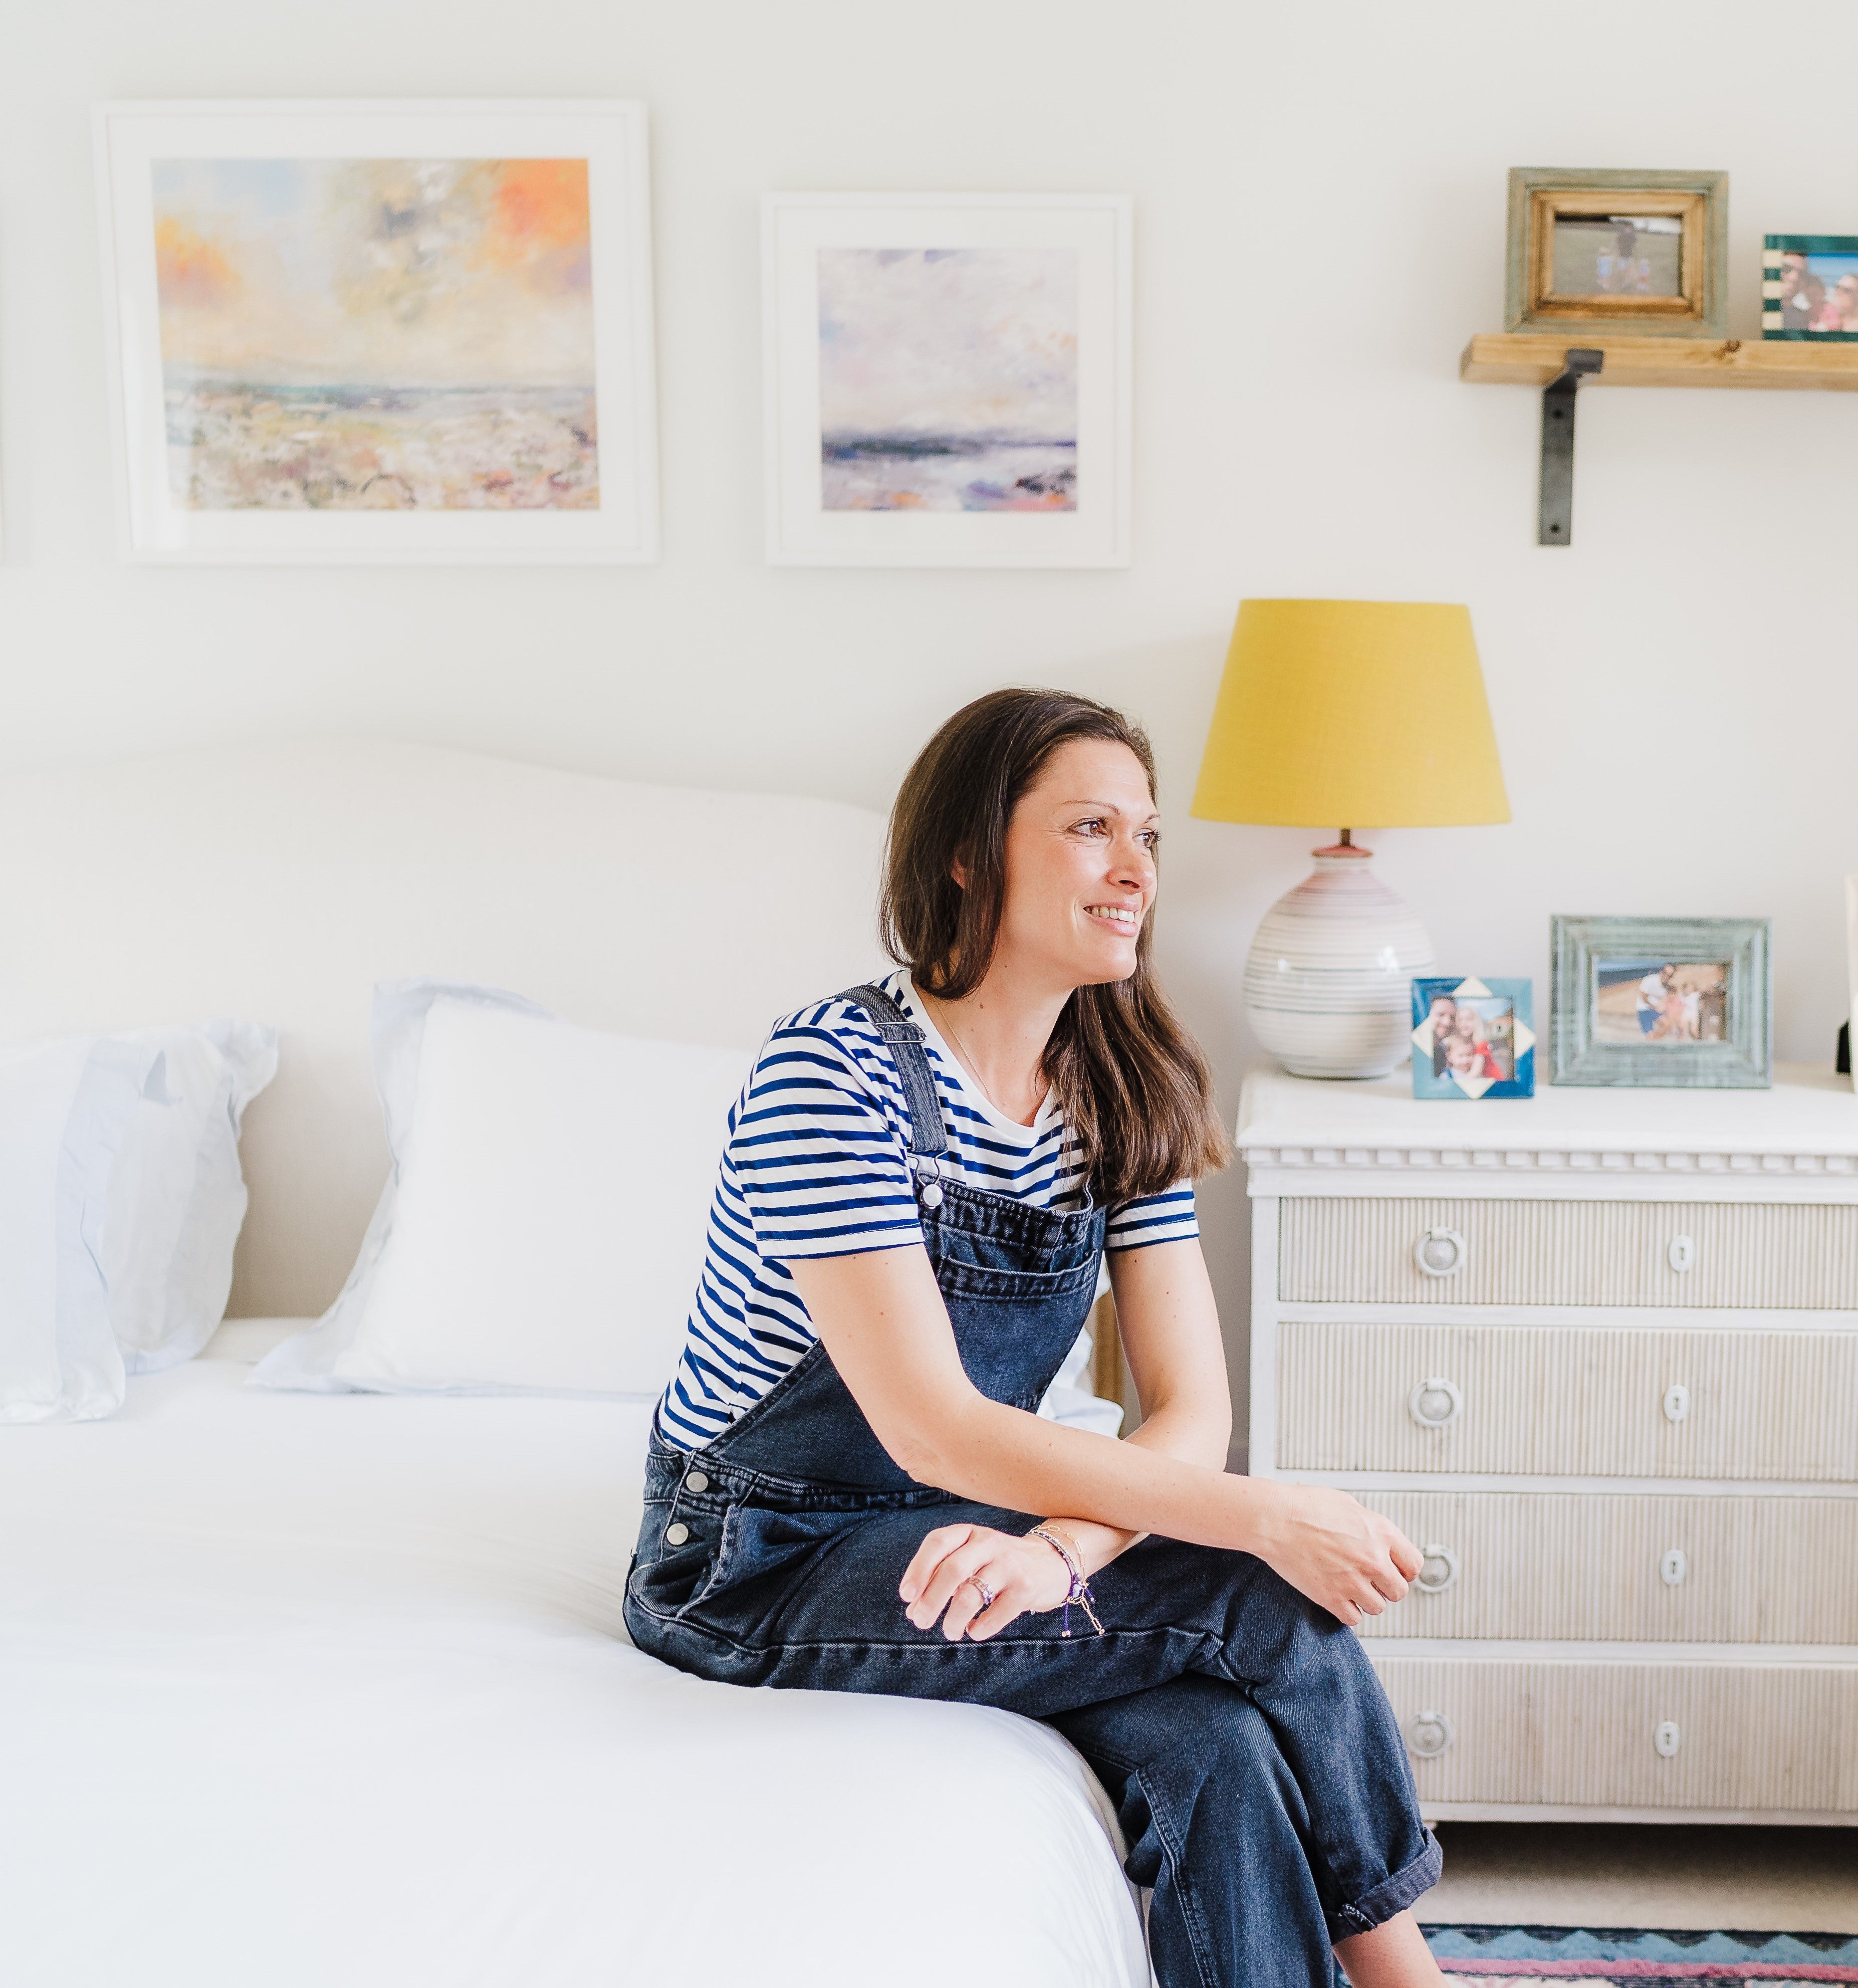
point(1025, 1575)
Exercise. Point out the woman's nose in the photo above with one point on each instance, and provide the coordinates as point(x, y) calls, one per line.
point(1134, 865)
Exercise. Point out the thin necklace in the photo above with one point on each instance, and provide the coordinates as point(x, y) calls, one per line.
point(967, 1064)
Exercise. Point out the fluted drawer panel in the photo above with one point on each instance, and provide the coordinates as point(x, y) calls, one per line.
point(1545, 1567)
point(1754, 1736)
point(1763, 1255)
point(1567, 1400)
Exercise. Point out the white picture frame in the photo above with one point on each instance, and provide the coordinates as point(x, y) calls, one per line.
point(599, 502)
point(828, 496)
point(1851, 962)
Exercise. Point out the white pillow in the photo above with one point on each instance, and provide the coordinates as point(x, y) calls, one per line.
point(121, 1200)
point(542, 1226)
point(177, 1195)
point(65, 1110)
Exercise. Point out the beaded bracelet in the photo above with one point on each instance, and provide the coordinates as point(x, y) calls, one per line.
point(1079, 1587)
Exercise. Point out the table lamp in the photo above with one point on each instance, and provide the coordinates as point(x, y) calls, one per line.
point(1369, 713)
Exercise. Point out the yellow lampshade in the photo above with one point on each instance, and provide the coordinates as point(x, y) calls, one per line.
point(1352, 713)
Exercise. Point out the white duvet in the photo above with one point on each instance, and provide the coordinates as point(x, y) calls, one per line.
point(309, 1692)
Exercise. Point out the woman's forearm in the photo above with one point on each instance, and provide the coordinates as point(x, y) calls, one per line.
point(1194, 1434)
point(1000, 1455)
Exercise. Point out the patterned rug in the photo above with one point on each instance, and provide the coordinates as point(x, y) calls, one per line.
point(1575, 1957)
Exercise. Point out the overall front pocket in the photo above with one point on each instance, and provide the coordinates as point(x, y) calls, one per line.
point(762, 1550)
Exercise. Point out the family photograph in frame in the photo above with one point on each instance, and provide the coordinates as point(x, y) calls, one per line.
point(1595, 251)
point(1809, 288)
point(1473, 1039)
point(1666, 1003)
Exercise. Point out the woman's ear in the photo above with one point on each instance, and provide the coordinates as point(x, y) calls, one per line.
point(958, 869)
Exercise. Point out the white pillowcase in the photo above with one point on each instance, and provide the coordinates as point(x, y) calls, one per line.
point(542, 1227)
point(177, 1195)
point(121, 1199)
point(64, 1107)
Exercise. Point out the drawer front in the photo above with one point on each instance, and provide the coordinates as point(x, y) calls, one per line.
point(1545, 1567)
point(1759, 1736)
point(1761, 1256)
point(1568, 1400)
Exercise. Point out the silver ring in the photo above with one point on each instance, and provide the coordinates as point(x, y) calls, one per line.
point(981, 1588)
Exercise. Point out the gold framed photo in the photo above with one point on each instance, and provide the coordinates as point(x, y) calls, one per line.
point(1641, 254)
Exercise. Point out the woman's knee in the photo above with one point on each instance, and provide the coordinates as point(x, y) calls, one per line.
point(1199, 1732)
point(1183, 1758)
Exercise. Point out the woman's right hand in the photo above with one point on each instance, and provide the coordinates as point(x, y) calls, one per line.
point(1346, 1559)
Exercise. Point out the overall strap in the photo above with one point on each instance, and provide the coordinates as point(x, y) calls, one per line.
point(928, 1136)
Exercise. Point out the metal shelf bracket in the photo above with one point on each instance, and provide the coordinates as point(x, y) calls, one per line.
point(1556, 519)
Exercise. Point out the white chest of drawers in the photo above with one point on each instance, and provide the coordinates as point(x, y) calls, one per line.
point(1597, 1353)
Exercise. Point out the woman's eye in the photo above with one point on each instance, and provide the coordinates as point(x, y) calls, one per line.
point(1092, 827)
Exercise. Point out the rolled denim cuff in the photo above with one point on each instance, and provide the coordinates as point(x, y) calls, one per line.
point(1391, 1896)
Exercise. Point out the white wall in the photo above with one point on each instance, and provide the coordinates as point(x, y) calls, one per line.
point(1319, 197)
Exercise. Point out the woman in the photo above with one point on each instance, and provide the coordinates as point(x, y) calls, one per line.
point(847, 1479)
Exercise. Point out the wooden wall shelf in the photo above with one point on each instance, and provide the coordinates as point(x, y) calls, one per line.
point(1533, 358)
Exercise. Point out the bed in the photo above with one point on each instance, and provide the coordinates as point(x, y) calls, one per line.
point(301, 1690)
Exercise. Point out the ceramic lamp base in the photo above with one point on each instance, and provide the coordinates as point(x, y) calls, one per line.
point(1326, 980)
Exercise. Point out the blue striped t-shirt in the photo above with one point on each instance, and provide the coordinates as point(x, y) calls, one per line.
point(816, 1163)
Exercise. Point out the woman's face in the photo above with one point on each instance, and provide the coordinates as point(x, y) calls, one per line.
point(1080, 867)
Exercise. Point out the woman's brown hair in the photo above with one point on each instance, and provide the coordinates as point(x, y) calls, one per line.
point(1135, 1089)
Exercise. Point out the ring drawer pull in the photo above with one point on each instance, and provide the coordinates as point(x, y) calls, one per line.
point(1677, 1401)
point(1682, 1254)
point(1429, 1736)
point(1667, 1738)
point(1438, 1570)
point(1435, 1403)
point(1440, 1252)
point(1674, 1567)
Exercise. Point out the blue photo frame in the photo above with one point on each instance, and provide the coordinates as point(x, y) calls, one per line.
point(1493, 1056)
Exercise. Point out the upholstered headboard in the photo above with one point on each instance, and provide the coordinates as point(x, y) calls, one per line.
point(280, 885)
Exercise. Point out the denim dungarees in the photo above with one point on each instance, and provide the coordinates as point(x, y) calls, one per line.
point(1262, 1786)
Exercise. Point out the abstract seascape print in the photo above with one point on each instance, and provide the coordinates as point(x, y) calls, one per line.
point(377, 334)
point(948, 379)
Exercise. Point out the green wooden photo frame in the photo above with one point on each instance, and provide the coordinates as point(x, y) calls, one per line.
point(1826, 260)
point(1690, 212)
point(1681, 1004)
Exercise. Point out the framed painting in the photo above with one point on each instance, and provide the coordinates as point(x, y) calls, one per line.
point(946, 378)
point(379, 332)
point(1663, 1003)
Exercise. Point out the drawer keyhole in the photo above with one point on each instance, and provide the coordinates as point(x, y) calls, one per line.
point(1440, 1252)
point(1429, 1736)
point(1438, 1570)
point(1674, 1566)
point(1435, 1403)
point(1676, 1402)
point(1682, 1254)
point(1667, 1738)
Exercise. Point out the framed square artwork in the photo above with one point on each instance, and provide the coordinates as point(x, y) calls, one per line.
point(946, 378)
point(1473, 1039)
point(1665, 1003)
point(378, 331)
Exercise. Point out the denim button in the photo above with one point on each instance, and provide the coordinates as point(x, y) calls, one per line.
point(676, 1533)
point(696, 1481)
